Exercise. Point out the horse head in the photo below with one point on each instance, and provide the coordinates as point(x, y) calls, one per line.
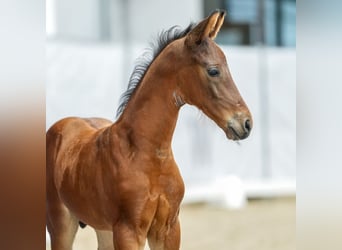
point(205, 80)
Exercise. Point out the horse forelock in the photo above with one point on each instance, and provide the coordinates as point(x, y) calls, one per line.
point(145, 60)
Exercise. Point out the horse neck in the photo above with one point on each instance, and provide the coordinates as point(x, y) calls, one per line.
point(150, 116)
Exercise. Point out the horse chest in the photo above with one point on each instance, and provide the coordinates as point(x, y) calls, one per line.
point(172, 186)
point(171, 192)
point(156, 196)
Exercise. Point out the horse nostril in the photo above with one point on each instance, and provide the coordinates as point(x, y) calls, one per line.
point(247, 125)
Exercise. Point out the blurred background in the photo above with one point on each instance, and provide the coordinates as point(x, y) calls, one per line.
point(245, 191)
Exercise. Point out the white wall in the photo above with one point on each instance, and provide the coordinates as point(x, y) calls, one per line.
point(77, 19)
point(150, 16)
point(124, 20)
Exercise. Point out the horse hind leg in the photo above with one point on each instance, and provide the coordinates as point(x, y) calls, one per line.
point(62, 227)
point(104, 240)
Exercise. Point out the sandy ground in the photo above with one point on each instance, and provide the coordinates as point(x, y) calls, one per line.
point(261, 225)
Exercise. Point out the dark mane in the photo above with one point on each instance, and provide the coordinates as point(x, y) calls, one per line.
point(145, 60)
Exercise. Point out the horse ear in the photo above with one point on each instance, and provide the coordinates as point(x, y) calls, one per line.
point(208, 28)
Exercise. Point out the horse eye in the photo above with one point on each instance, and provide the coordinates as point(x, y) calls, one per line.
point(213, 72)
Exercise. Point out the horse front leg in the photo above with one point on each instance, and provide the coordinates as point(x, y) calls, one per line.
point(127, 237)
point(163, 239)
point(172, 240)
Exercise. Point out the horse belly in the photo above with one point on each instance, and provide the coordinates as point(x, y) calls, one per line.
point(89, 207)
point(83, 191)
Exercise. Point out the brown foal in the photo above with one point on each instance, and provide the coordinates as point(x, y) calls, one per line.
point(121, 178)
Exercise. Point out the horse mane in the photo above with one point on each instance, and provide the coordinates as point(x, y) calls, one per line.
point(146, 59)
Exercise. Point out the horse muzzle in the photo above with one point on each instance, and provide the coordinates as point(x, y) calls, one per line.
point(239, 127)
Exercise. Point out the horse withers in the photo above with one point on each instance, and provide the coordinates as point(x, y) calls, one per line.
point(121, 178)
